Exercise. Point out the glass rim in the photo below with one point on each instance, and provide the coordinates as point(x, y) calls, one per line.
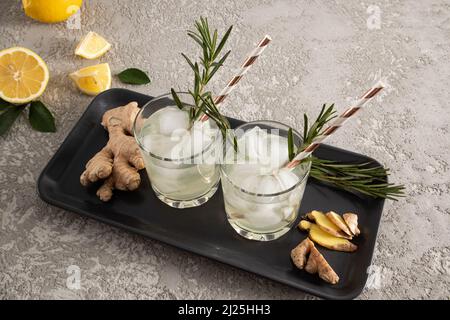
point(267, 195)
point(181, 160)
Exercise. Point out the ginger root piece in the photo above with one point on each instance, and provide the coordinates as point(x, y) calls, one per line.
point(326, 224)
point(339, 221)
point(315, 263)
point(300, 252)
point(325, 239)
point(351, 219)
point(120, 160)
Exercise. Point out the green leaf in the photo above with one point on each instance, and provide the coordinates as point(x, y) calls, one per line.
point(222, 42)
point(203, 32)
point(196, 84)
point(321, 112)
point(193, 67)
point(235, 144)
point(134, 76)
point(196, 38)
point(206, 28)
point(206, 56)
point(41, 118)
point(8, 117)
point(290, 144)
point(217, 65)
point(214, 41)
point(305, 128)
point(191, 113)
point(177, 99)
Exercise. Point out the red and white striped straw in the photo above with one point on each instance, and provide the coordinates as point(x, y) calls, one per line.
point(251, 58)
point(336, 124)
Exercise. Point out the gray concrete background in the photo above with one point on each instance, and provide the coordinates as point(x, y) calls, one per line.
point(323, 51)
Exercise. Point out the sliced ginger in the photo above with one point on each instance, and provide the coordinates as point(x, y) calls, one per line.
point(326, 224)
point(339, 222)
point(351, 220)
point(325, 239)
point(119, 161)
point(315, 263)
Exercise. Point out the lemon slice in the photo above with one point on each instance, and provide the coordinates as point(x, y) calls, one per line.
point(94, 79)
point(92, 46)
point(23, 75)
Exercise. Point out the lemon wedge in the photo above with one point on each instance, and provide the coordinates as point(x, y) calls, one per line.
point(93, 79)
point(92, 46)
point(23, 75)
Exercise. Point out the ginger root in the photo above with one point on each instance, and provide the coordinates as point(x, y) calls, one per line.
point(120, 160)
point(315, 263)
point(318, 264)
point(351, 220)
point(300, 252)
point(325, 239)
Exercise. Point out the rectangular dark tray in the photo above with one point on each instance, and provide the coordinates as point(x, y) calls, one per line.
point(205, 230)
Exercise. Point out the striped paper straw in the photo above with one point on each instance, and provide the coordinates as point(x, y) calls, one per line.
point(336, 124)
point(242, 71)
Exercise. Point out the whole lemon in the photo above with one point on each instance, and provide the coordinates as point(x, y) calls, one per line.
point(51, 11)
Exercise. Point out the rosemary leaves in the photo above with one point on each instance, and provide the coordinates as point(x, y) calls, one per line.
point(365, 178)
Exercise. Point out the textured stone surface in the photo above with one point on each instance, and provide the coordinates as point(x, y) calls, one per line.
point(323, 51)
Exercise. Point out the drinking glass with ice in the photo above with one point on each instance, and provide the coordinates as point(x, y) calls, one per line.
point(179, 154)
point(261, 197)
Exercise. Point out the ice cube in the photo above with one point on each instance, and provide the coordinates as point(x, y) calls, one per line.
point(262, 184)
point(268, 150)
point(286, 178)
point(288, 212)
point(171, 119)
point(178, 150)
point(278, 152)
point(255, 142)
point(158, 144)
point(248, 178)
point(199, 138)
point(178, 134)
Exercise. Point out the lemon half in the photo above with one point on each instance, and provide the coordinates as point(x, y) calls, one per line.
point(92, 46)
point(93, 79)
point(51, 11)
point(23, 75)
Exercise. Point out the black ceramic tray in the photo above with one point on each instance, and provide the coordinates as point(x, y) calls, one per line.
point(204, 230)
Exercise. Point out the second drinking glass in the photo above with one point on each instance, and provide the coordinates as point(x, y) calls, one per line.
point(261, 197)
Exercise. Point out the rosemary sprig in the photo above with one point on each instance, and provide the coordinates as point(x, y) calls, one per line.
point(360, 177)
point(209, 62)
point(204, 70)
point(309, 134)
point(210, 109)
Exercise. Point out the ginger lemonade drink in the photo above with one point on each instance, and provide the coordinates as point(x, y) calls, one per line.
point(179, 154)
point(262, 200)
